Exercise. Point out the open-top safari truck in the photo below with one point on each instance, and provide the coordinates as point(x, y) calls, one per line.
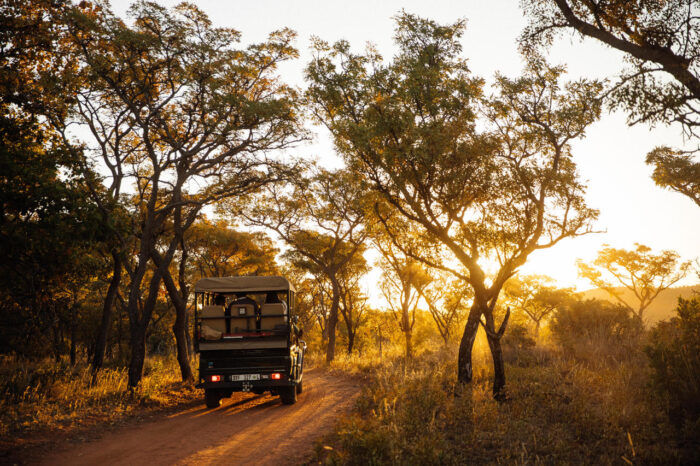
point(246, 335)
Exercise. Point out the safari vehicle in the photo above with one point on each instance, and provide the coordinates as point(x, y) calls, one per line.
point(246, 335)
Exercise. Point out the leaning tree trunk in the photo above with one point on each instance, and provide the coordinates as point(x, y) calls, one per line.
point(464, 361)
point(103, 332)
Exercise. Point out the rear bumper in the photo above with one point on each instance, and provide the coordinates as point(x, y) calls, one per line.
point(246, 385)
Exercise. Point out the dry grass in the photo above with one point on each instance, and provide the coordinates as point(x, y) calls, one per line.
point(49, 398)
point(560, 411)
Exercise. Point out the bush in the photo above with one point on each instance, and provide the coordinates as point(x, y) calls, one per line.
point(520, 349)
point(596, 332)
point(674, 353)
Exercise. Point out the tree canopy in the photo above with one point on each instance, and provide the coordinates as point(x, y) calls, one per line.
point(639, 270)
point(661, 43)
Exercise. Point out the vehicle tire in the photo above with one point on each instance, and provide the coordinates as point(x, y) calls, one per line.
point(300, 386)
point(288, 395)
point(212, 398)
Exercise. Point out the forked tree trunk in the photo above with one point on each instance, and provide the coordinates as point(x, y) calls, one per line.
point(465, 370)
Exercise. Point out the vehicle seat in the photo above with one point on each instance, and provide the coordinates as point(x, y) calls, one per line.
point(273, 317)
point(213, 329)
point(242, 325)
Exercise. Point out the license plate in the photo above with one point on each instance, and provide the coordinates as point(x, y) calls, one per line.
point(239, 377)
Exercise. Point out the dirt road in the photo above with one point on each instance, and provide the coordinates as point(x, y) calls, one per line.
point(246, 429)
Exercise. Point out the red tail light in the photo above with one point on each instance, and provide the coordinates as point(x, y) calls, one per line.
point(215, 378)
point(276, 376)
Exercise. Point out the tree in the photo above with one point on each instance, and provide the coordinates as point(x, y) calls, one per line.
point(173, 106)
point(353, 303)
point(410, 128)
point(447, 302)
point(217, 250)
point(320, 217)
point(404, 277)
point(661, 43)
point(50, 238)
point(31, 54)
point(640, 271)
point(536, 297)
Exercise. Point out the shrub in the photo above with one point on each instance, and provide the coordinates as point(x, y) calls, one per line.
point(674, 353)
point(520, 349)
point(596, 332)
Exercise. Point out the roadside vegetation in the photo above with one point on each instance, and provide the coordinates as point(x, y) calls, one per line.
point(44, 401)
point(563, 407)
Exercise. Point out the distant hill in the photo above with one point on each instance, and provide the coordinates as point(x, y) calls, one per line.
point(662, 308)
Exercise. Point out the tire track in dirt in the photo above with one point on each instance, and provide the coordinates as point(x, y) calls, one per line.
point(245, 429)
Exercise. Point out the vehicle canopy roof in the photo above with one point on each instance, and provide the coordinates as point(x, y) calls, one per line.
point(251, 284)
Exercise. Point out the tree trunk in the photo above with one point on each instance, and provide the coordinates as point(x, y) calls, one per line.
point(179, 327)
point(351, 341)
point(464, 361)
point(57, 342)
point(73, 327)
point(103, 332)
point(333, 321)
point(408, 336)
point(180, 331)
point(185, 293)
point(138, 353)
point(138, 323)
point(499, 372)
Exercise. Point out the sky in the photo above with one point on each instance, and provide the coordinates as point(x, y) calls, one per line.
point(610, 158)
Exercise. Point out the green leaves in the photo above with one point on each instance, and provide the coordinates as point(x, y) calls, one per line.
point(676, 171)
point(486, 176)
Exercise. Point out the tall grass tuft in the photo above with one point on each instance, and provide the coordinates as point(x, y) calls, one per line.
point(47, 396)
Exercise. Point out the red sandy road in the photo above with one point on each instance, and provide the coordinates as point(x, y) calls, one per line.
point(246, 429)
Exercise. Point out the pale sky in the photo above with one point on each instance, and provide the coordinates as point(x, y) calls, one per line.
point(610, 159)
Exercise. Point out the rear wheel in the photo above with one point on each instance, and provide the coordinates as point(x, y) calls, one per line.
point(212, 398)
point(288, 395)
point(300, 387)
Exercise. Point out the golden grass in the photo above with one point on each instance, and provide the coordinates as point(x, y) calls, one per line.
point(560, 411)
point(49, 397)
